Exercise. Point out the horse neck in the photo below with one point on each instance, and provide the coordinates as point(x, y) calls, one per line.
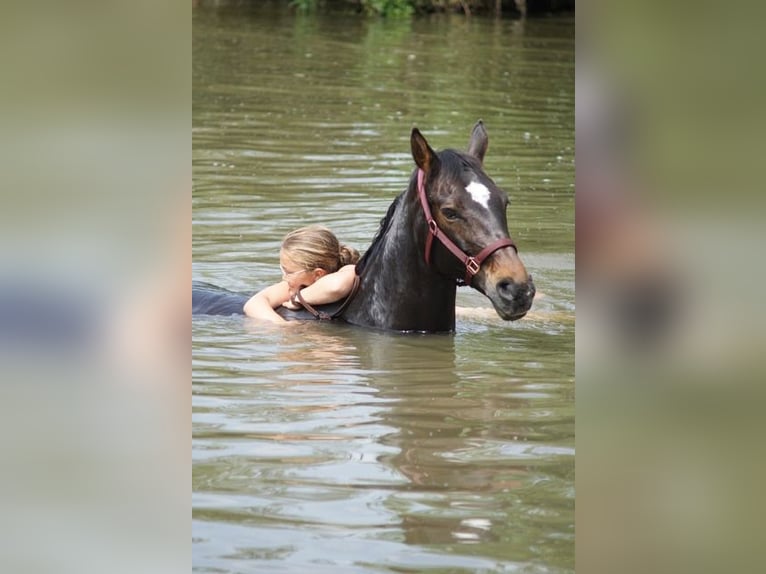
point(399, 291)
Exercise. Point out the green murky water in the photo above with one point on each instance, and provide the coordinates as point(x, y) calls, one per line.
point(325, 448)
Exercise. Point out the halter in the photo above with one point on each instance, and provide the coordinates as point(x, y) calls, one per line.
point(472, 263)
point(297, 299)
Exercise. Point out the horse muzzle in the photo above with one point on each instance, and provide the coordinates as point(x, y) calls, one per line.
point(513, 299)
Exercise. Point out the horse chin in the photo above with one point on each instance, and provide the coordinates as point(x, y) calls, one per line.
point(510, 314)
point(514, 316)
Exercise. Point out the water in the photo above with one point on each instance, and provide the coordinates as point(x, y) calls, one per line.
point(327, 448)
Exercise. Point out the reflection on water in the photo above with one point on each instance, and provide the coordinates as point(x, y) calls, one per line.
point(328, 448)
point(324, 433)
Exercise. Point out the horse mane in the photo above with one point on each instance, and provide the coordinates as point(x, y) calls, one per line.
point(385, 223)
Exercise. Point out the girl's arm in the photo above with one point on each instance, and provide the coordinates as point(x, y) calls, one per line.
point(328, 289)
point(262, 304)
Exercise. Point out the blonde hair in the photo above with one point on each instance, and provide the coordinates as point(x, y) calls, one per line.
point(316, 247)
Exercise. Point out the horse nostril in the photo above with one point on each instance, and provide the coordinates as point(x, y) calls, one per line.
point(510, 290)
point(507, 288)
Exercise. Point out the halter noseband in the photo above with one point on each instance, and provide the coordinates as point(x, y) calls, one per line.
point(472, 263)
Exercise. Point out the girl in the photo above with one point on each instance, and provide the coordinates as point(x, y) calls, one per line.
point(312, 260)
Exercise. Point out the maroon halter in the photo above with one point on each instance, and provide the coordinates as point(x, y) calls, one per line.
point(472, 264)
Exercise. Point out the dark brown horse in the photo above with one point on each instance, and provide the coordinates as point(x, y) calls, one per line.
point(447, 228)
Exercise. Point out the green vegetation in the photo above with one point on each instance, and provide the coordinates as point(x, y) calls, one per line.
point(396, 8)
point(404, 8)
point(388, 7)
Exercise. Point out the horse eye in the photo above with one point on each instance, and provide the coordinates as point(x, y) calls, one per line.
point(450, 214)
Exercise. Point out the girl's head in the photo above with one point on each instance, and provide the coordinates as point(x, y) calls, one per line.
point(310, 252)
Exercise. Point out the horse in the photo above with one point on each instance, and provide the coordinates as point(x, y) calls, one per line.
point(448, 228)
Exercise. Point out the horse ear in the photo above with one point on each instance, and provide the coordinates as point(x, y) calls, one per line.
point(479, 141)
point(425, 158)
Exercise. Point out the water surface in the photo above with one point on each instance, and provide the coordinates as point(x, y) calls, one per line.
point(327, 448)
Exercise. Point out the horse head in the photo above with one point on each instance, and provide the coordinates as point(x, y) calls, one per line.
point(467, 230)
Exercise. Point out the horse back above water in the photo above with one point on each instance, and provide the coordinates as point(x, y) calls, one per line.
point(448, 228)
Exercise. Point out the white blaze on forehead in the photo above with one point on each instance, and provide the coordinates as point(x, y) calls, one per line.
point(479, 193)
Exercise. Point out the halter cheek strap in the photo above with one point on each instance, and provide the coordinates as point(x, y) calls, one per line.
point(472, 263)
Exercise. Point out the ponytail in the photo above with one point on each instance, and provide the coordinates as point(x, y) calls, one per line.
point(347, 255)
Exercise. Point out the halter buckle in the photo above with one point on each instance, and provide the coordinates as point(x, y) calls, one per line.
point(472, 266)
point(433, 227)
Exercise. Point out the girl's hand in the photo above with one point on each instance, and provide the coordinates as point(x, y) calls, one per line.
point(291, 304)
